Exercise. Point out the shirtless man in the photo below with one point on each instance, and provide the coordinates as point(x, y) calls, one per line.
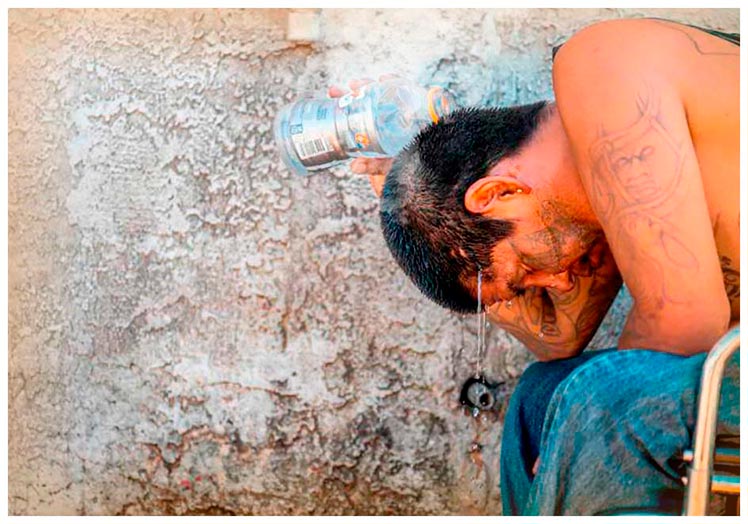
point(631, 176)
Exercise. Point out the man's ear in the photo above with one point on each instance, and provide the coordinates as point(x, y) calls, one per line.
point(496, 196)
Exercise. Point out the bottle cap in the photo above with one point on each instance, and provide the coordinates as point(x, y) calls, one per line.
point(440, 102)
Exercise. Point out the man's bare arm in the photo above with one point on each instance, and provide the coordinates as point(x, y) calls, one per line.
point(629, 131)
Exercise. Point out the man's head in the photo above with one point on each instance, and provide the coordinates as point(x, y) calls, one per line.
point(474, 192)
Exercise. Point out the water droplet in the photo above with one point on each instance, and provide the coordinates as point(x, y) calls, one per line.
point(540, 335)
point(509, 304)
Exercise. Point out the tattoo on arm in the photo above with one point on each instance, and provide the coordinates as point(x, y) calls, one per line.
point(548, 325)
point(551, 323)
point(731, 277)
point(696, 45)
point(599, 300)
point(635, 204)
point(533, 319)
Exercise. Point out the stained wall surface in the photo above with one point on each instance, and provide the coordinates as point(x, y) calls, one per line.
point(192, 328)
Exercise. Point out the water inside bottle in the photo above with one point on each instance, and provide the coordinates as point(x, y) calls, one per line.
point(397, 117)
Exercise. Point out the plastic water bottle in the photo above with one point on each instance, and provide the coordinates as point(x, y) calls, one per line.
point(315, 133)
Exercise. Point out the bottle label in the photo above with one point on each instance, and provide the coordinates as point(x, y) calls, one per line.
point(310, 146)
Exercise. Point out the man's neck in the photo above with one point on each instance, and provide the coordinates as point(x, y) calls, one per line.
point(566, 185)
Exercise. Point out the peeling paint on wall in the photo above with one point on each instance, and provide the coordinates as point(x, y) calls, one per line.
point(193, 330)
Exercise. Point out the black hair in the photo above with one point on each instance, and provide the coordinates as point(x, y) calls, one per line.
point(433, 237)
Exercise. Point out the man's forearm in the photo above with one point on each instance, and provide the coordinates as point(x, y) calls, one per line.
point(555, 324)
point(643, 331)
point(535, 321)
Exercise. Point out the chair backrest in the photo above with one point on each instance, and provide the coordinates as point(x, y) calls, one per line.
point(705, 433)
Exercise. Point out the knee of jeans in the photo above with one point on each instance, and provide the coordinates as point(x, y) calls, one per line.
point(599, 381)
point(620, 382)
point(531, 375)
point(532, 378)
point(625, 400)
point(532, 393)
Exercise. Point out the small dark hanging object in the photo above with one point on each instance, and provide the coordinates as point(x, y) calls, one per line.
point(479, 393)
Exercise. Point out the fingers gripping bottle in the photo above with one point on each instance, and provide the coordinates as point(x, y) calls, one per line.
point(316, 133)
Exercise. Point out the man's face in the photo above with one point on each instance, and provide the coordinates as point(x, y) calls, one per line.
point(538, 190)
point(540, 253)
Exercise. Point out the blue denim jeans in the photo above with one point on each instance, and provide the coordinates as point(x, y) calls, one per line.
point(608, 427)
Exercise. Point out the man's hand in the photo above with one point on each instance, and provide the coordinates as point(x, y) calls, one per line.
point(590, 261)
point(555, 324)
point(376, 168)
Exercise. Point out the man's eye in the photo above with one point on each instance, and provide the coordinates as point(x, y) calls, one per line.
point(646, 152)
point(621, 163)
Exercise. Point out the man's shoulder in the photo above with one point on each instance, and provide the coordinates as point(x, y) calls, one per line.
point(616, 29)
point(679, 60)
point(636, 43)
point(616, 55)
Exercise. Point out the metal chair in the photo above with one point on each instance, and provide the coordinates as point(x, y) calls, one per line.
point(710, 453)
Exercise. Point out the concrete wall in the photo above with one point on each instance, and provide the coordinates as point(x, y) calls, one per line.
point(195, 330)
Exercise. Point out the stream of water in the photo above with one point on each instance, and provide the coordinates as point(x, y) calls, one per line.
point(481, 329)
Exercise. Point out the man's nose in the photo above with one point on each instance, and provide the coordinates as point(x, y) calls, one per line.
point(560, 281)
